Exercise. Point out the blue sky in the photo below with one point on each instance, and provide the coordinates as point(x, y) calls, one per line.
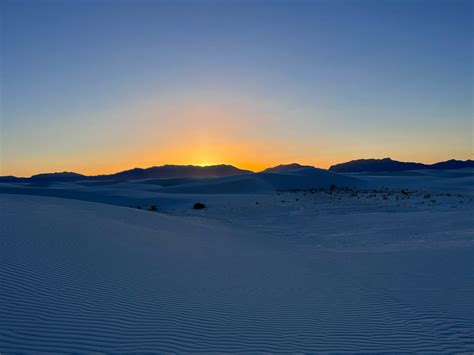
point(98, 86)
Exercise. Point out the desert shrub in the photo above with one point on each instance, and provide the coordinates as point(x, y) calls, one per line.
point(199, 206)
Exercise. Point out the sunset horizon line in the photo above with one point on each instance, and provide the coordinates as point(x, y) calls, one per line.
point(254, 169)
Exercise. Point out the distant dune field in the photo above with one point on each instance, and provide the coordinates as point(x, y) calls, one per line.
point(368, 269)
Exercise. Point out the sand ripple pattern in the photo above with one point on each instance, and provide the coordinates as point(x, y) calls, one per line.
point(83, 277)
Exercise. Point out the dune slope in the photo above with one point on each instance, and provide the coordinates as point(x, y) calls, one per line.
point(304, 178)
point(84, 277)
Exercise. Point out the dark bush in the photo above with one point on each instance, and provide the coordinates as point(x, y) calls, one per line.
point(199, 206)
point(153, 208)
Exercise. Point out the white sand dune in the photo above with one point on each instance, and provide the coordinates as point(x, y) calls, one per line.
point(85, 277)
point(166, 192)
point(305, 178)
point(447, 180)
point(184, 192)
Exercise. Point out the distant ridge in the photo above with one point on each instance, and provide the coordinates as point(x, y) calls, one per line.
point(285, 167)
point(387, 164)
point(176, 171)
point(155, 172)
point(223, 170)
point(453, 164)
point(64, 176)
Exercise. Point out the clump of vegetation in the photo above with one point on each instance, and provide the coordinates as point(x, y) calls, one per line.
point(427, 196)
point(152, 208)
point(199, 206)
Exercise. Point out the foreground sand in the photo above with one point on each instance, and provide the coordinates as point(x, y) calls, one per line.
point(295, 272)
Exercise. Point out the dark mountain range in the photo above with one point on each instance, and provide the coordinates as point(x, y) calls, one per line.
point(453, 164)
point(11, 178)
point(214, 171)
point(175, 171)
point(285, 167)
point(387, 164)
point(59, 177)
point(156, 172)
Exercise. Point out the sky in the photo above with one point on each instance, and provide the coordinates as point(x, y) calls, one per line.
point(98, 86)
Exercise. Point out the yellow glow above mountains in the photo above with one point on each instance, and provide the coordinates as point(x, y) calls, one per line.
point(192, 132)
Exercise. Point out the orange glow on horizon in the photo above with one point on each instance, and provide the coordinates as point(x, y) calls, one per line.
point(110, 166)
point(191, 132)
point(95, 166)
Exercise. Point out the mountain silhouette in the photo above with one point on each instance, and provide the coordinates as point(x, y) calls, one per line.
point(223, 170)
point(60, 177)
point(285, 167)
point(175, 171)
point(155, 172)
point(387, 164)
point(65, 176)
point(453, 164)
